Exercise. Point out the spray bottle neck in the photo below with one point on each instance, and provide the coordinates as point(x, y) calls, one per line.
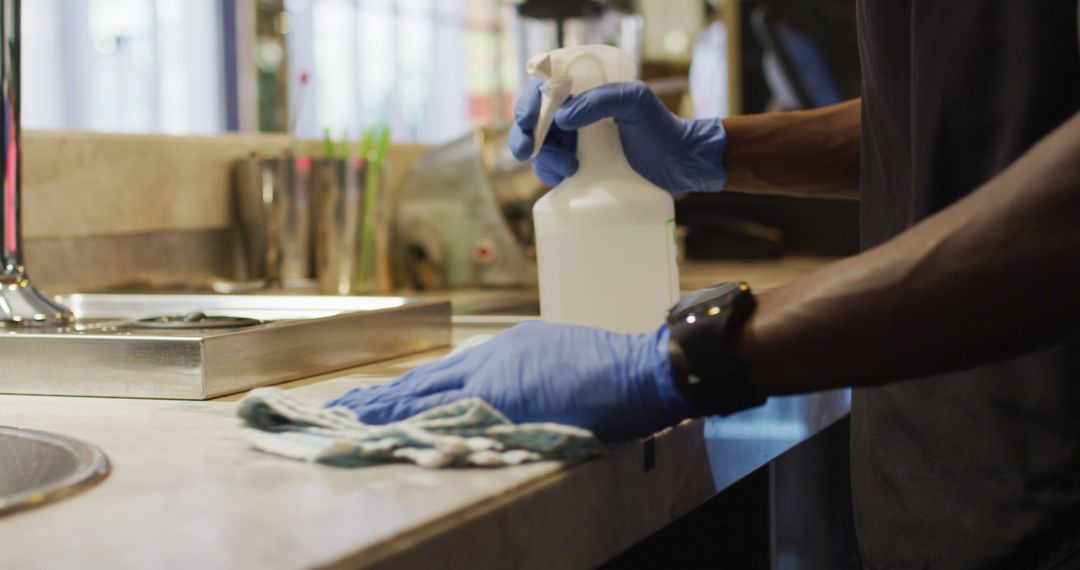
point(600, 147)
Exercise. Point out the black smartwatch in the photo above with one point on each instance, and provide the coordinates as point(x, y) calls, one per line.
point(704, 325)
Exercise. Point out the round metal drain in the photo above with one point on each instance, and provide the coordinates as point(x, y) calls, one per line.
point(195, 320)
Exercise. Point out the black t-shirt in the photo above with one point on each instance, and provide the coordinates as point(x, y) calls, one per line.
point(982, 467)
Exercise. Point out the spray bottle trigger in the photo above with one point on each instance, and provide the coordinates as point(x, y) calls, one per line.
point(553, 94)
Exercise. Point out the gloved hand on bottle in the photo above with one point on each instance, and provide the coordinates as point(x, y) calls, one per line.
point(675, 154)
point(619, 386)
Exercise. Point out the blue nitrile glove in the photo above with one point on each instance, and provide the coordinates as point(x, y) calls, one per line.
point(619, 386)
point(677, 155)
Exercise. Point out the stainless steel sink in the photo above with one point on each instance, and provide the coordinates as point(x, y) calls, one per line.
point(37, 468)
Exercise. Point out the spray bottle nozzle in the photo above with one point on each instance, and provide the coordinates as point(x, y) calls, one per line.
point(571, 71)
point(552, 95)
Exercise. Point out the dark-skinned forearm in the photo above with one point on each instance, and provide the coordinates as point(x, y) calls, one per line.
point(811, 153)
point(993, 275)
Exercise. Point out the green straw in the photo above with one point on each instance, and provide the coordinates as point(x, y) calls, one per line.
point(371, 182)
point(367, 141)
point(328, 143)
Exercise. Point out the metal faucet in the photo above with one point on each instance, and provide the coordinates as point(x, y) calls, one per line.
point(20, 301)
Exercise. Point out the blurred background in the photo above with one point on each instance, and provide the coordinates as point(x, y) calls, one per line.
point(437, 79)
point(430, 69)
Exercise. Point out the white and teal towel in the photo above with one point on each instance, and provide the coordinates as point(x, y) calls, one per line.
point(463, 433)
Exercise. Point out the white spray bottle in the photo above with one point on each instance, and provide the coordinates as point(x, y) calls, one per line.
point(605, 237)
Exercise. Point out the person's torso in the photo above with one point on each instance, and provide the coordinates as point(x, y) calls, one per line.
point(981, 467)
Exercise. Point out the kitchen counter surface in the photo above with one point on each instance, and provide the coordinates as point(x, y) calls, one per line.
point(187, 492)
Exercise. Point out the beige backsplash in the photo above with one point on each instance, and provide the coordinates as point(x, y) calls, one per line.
point(106, 209)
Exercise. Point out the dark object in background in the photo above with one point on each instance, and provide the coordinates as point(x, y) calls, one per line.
point(559, 9)
point(714, 234)
point(814, 226)
point(794, 67)
point(828, 24)
point(806, 225)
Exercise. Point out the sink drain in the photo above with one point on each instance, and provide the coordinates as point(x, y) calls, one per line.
point(194, 320)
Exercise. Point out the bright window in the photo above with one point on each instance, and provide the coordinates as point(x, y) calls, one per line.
point(122, 65)
point(429, 69)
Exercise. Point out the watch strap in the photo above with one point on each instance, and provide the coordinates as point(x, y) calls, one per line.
point(716, 382)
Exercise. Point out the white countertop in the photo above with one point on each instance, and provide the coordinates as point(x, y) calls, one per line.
point(186, 491)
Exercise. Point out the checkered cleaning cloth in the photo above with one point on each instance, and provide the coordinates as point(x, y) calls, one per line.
point(464, 433)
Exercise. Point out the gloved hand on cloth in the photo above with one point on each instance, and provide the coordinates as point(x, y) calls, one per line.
point(619, 386)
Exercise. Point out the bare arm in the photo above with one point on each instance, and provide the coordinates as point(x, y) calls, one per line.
point(993, 275)
point(803, 153)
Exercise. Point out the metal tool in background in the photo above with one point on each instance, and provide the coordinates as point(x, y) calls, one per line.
point(272, 197)
point(464, 217)
point(20, 301)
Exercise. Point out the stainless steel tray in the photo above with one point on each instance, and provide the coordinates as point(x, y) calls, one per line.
point(299, 336)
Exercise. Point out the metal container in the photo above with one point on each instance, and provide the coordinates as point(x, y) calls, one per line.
point(195, 347)
point(272, 196)
point(337, 216)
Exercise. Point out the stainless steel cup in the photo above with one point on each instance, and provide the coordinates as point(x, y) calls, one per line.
point(273, 205)
point(338, 192)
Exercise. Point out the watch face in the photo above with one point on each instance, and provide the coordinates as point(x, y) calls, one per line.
point(702, 299)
